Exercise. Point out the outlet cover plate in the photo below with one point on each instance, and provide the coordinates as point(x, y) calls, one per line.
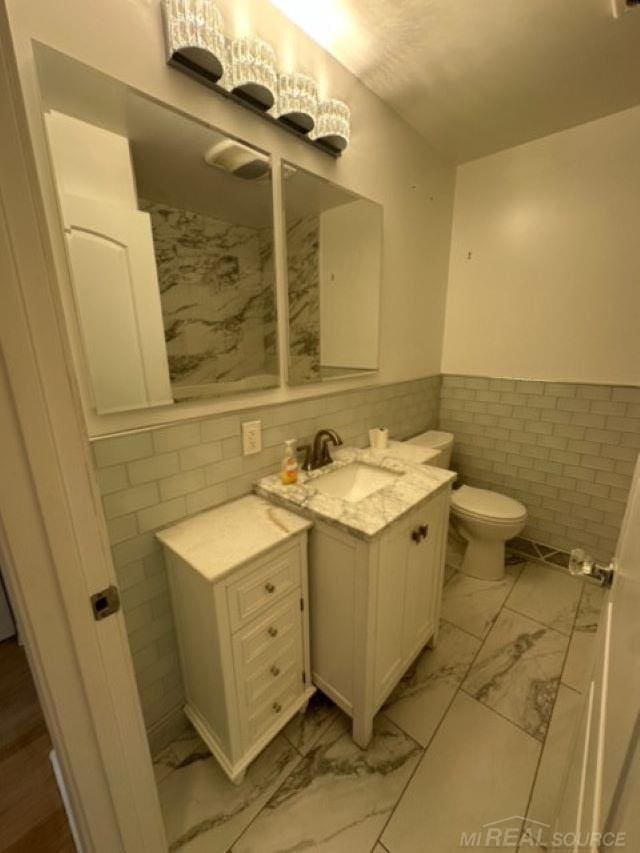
point(251, 437)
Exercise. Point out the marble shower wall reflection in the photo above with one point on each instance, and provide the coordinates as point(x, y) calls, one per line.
point(217, 291)
point(334, 246)
point(303, 270)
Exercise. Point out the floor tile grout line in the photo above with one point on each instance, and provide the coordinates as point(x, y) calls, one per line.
point(460, 688)
point(296, 764)
point(495, 619)
point(543, 624)
point(555, 702)
point(434, 733)
point(464, 630)
point(498, 714)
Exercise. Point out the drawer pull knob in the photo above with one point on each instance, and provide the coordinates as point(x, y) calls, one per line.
point(415, 535)
point(273, 632)
point(277, 707)
point(424, 530)
point(270, 587)
point(275, 671)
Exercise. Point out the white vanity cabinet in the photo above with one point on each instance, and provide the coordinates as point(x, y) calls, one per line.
point(238, 577)
point(374, 605)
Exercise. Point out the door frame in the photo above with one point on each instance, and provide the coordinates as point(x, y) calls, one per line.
point(53, 541)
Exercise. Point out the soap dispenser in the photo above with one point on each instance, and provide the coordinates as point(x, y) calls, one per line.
point(290, 467)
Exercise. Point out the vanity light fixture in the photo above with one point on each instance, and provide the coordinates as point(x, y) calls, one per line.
point(245, 69)
point(253, 71)
point(195, 37)
point(333, 125)
point(297, 101)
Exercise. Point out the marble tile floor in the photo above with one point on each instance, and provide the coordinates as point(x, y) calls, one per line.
point(477, 731)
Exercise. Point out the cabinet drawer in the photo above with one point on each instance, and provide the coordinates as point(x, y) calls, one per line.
point(269, 713)
point(280, 623)
point(271, 671)
point(260, 588)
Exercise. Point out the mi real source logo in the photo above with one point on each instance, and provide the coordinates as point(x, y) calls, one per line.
point(517, 830)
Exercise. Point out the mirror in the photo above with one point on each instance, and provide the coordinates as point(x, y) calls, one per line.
point(169, 236)
point(334, 245)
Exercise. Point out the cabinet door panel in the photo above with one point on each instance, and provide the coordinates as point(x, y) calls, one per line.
point(423, 577)
point(390, 593)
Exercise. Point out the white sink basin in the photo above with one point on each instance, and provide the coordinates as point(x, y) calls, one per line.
point(354, 482)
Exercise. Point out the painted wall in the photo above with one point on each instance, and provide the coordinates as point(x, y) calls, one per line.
point(349, 285)
point(386, 161)
point(544, 278)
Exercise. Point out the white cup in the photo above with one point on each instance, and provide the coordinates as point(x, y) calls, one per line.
point(379, 438)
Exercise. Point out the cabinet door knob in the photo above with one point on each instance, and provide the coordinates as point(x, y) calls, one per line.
point(415, 535)
point(424, 530)
point(277, 707)
point(273, 632)
point(275, 671)
point(270, 587)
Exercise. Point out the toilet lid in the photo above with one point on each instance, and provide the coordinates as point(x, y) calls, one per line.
point(485, 504)
point(433, 438)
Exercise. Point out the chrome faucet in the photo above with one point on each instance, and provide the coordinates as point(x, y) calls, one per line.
point(317, 455)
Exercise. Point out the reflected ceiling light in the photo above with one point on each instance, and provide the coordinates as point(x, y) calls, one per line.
point(194, 36)
point(333, 124)
point(297, 101)
point(253, 71)
point(326, 22)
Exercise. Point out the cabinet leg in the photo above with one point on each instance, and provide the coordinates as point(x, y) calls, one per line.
point(303, 709)
point(362, 731)
point(238, 779)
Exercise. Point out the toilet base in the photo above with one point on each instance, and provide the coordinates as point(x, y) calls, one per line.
point(484, 559)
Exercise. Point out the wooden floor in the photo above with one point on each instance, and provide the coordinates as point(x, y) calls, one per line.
point(32, 817)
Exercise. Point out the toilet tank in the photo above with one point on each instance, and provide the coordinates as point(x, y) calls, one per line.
point(441, 441)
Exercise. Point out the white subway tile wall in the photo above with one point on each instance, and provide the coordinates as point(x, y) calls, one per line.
point(154, 478)
point(567, 451)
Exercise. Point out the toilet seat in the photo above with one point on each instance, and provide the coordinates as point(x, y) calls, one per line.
point(486, 505)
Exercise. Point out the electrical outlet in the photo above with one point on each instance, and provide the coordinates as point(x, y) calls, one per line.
point(251, 437)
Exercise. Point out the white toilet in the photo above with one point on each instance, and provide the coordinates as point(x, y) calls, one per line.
point(485, 519)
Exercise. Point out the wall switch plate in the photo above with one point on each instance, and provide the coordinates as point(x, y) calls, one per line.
point(251, 437)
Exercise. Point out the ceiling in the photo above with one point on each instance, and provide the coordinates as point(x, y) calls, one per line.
point(477, 77)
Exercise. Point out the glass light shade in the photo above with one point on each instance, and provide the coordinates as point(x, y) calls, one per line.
point(298, 101)
point(195, 37)
point(253, 71)
point(333, 124)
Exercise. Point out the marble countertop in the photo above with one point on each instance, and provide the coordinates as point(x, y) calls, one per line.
point(220, 540)
point(367, 518)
